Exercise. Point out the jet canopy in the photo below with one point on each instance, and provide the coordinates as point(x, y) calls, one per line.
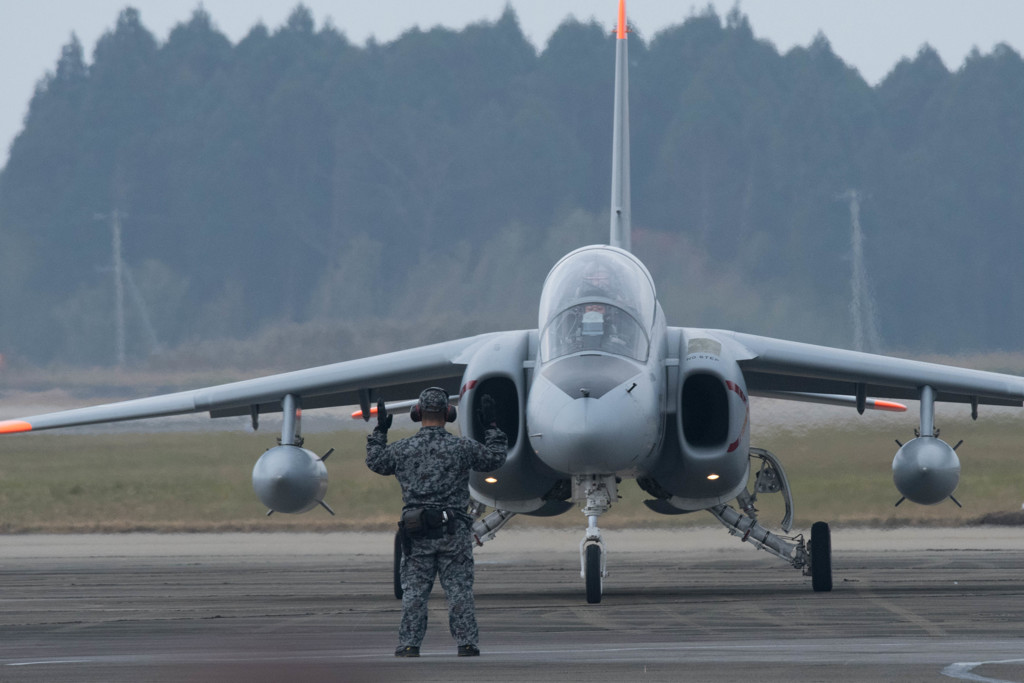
point(597, 298)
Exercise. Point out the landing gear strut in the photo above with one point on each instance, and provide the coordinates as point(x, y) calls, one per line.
point(813, 558)
point(485, 528)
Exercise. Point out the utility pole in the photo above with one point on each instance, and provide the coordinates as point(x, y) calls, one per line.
point(115, 248)
point(862, 304)
point(115, 228)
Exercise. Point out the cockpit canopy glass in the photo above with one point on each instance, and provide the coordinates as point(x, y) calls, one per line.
point(598, 298)
point(594, 326)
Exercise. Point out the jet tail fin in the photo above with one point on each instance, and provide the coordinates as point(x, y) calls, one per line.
point(620, 208)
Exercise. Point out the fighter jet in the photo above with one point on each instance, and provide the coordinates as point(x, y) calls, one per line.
point(601, 391)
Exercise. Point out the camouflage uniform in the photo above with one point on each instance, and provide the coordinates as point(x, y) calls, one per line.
point(433, 467)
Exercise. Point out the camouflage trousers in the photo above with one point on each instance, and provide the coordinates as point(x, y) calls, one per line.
point(450, 558)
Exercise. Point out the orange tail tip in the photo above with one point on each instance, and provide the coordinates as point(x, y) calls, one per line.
point(358, 415)
point(14, 426)
point(622, 20)
point(890, 406)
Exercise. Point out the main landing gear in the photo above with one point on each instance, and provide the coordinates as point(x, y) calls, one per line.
point(813, 558)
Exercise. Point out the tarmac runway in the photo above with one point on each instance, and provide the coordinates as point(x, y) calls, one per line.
point(693, 605)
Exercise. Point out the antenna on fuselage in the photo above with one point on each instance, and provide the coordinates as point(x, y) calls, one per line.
point(620, 222)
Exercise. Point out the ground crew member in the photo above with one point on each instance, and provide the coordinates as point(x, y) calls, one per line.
point(433, 467)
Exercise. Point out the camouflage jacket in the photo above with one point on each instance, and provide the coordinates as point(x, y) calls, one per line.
point(433, 465)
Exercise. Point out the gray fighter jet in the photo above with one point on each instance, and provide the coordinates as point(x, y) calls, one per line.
point(603, 390)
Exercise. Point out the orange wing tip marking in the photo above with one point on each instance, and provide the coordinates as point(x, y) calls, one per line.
point(622, 20)
point(14, 426)
point(358, 415)
point(891, 406)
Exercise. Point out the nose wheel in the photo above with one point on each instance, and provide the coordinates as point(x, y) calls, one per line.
point(593, 571)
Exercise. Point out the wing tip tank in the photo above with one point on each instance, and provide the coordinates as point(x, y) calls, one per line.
point(14, 426)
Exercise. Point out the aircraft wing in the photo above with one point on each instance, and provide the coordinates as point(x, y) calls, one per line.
point(395, 375)
point(775, 366)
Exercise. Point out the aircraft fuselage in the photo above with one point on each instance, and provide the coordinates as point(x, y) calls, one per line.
point(596, 403)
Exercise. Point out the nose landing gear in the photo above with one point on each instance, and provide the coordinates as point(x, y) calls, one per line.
point(596, 492)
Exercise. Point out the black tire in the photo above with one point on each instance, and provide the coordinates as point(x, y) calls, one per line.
point(398, 565)
point(592, 567)
point(821, 557)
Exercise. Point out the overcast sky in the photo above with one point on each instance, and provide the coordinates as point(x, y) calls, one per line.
point(872, 35)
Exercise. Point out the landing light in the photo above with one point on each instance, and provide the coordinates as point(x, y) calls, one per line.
point(712, 477)
point(491, 480)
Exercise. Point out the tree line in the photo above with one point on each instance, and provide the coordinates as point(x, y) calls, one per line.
point(333, 200)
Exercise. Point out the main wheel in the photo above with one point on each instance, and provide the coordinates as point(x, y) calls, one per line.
point(592, 565)
point(821, 557)
point(398, 565)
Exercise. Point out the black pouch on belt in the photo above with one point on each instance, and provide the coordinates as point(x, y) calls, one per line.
point(434, 523)
point(412, 521)
point(411, 527)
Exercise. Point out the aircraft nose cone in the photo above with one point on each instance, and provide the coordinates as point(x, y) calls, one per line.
point(592, 435)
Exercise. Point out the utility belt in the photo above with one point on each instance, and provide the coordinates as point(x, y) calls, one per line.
point(426, 522)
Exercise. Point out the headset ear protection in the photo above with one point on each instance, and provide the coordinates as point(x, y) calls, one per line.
point(450, 413)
